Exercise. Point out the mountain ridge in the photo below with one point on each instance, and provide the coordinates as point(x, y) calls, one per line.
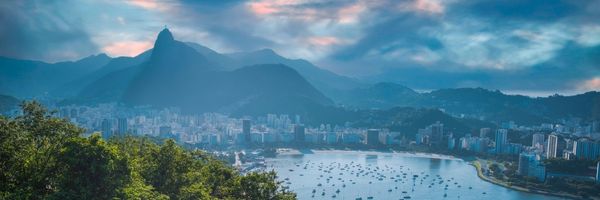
point(177, 75)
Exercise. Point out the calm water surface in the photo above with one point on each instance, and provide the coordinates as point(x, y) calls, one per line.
point(353, 174)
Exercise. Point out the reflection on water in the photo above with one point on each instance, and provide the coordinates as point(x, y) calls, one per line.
point(434, 163)
point(371, 159)
point(351, 175)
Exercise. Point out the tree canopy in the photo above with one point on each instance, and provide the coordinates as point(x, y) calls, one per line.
point(44, 157)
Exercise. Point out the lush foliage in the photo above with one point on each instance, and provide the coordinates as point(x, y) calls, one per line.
point(42, 157)
point(577, 167)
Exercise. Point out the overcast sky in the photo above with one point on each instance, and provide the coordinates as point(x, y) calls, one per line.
point(538, 45)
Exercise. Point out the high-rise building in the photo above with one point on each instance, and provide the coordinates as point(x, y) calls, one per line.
point(299, 134)
point(106, 128)
point(531, 165)
point(437, 132)
point(523, 164)
point(246, 130)
point(598, 173)
point(538, 140)
point(372, 137)
point(122, 126)
point(501, 141)
point(485, 132)
point(586, 149)
point(451, 143)
point(551, 147)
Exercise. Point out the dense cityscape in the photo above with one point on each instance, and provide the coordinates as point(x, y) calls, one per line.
point(572, 139)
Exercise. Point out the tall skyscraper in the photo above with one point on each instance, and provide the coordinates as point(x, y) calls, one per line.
point(485, 132)
point(106, 128)
point(299, 134)
point(122, 126)
point(531, 165)
point(246, 130)
point(373, 137)
point(523, 164)
point(501, 141)
point(586, 149)
point(598, 173)
point(551, 147)
point(538, 140)
point(437, 132)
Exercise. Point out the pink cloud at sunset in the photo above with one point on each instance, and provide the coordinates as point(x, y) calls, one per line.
point(590, 84)
point(323, 41)
point(127, 48)
point(424, 6)
point(350, 14)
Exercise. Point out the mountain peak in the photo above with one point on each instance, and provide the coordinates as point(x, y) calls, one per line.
point(267, 52)
point(164, 36)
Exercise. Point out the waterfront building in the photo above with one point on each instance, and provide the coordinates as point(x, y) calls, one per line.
point(531, 165)
point(524, 164)
point(586, 149)
point(598, 173)
point(552, 146)
point(389, 138)
point(287, 137)
point(451, 143)
point(299, 133)
point(501, 141)
point(480, 145)
point(268, 137)
point(373, 137)
point(421, 138)
point(256, 138)
point(437, 132)
point(351, 138)
point(331, 138)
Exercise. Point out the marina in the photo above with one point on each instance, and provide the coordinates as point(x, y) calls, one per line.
point(378, 175)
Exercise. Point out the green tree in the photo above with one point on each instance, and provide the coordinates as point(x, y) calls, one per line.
point(29, 145)
point(261, 186)
point(91, 169)
point(43, 157)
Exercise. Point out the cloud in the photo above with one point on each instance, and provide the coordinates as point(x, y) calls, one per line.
point(424, 6)
point(32, 30)
point(127, 48)
point(534, 44)
point(590, 84)
point(323, 41)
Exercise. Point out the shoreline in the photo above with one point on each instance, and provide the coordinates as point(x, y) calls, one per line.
point(477, 167)
point(292, 152)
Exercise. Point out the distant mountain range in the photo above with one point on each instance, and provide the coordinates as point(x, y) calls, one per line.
point(176, 74)
point(477, 103)
point(25, 78)
point(7, 103)
point(199, 79)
